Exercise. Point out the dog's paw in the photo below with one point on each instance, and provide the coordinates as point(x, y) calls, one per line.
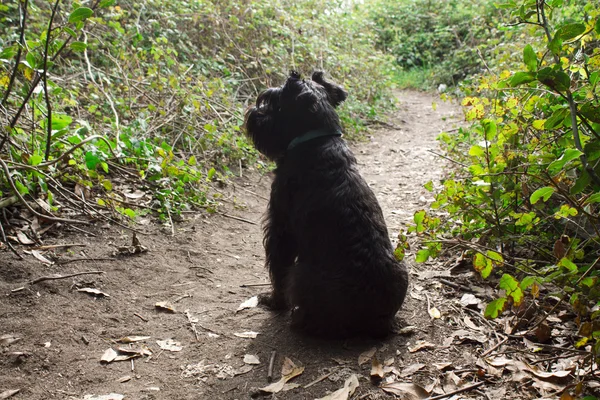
point(272, 301)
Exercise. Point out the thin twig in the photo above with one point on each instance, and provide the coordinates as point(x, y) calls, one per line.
point(238, 218)
point(246, 285)
point(457, 391)
point(58, 246)
point(500, 343)
point(56, 277)
point(84, 259)
point(270, 369)
point(449, 159)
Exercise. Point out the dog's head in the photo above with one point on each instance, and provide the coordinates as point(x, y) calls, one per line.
point(286, 112)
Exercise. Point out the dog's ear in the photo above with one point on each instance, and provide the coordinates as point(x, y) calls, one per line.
point(335, 93)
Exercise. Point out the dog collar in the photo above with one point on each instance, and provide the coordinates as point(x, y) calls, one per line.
point(312, 135)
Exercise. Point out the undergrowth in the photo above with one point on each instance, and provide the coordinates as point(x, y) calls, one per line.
point(99, 99)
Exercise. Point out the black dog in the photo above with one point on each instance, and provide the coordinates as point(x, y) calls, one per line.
point(327, 246)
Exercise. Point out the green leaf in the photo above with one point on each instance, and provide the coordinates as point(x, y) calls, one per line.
point(422, 255)
point(591, 112)
point(476, 151)
point(494, 256)
point(593, 76)
point(60, 121)
point(80, 14)
point(429, 186)
point(530, 58)
point(527, 282)
point(489, 128)
point(555, 45)
point(483, 265)
point(70, 31)
point(192, 161)
point(106, 3)
point(107, 185)
point(557, 165)
point(91, 160)
point(581, 183)
point(556, 119)
point(23, 190)
point(512, 288)
point(568, 264)
point(399, 253)
point(570, 31)
point(211, 174)
point(597, 26)
point(557, 80)
point(595, 198)
point(495, 308)
point(520, 78)
point(8, 53)
point(78, 46)
point(544, 193)
point(35, 159)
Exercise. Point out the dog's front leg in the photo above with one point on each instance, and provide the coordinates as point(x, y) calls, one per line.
point(281, 252)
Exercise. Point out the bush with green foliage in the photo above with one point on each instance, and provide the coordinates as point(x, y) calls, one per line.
point(524, 200)
point(156, 90)
point(444, 41)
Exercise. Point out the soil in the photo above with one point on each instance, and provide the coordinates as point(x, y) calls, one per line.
point(205, 270)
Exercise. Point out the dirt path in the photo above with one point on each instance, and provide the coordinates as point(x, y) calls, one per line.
point(63, 333)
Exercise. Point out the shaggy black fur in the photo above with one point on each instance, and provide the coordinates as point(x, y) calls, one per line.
point(327, 245)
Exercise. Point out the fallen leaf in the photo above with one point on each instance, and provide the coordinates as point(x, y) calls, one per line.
point(133, 339)
point(94, 292)
point(499, 361)
point(250, 303)
point(288, 371)
point(112, 396)
point(421, 345)
point(407, 330)
point(244, 369)
point(124, 379)
point(8, 393)
point(7, 340)
point(344, 393)
point(109, 356)
point(134, 195)
point(469, 300)
point(411, 369)
point(366, 356)
point(251, 359)
point(407, 391)
point(40, 257)
point(442, 365)
point(434, 313)
point(376, 370)
point(23, 239)
point(165, 306)
point(247, 335)
point(169, 345)
point(471, 325)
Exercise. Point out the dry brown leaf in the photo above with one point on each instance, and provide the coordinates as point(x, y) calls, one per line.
point(132, 339)
point(344, 393)
point(250, 303)
point(251, 359)
point(421, 345)
point(499, 361)
point(169, 345)
point(376, 370)
point(23, 239)
point(165, 306)
point(434, 313)
point(124, 379)
point(109, 356)
point(366, 356)
point(244, 369)
point(442, 365)
point(406, 391)
point(40, 257)
point(8, 393)
point(93, 292)
point(289, 371)
point(451, 382)
point(411, 369)
point(407, 330)
point(543, 333)
point(246, 335)
point(469, 300)
point(471, 325)
point(7, 340)
point(142, 351)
